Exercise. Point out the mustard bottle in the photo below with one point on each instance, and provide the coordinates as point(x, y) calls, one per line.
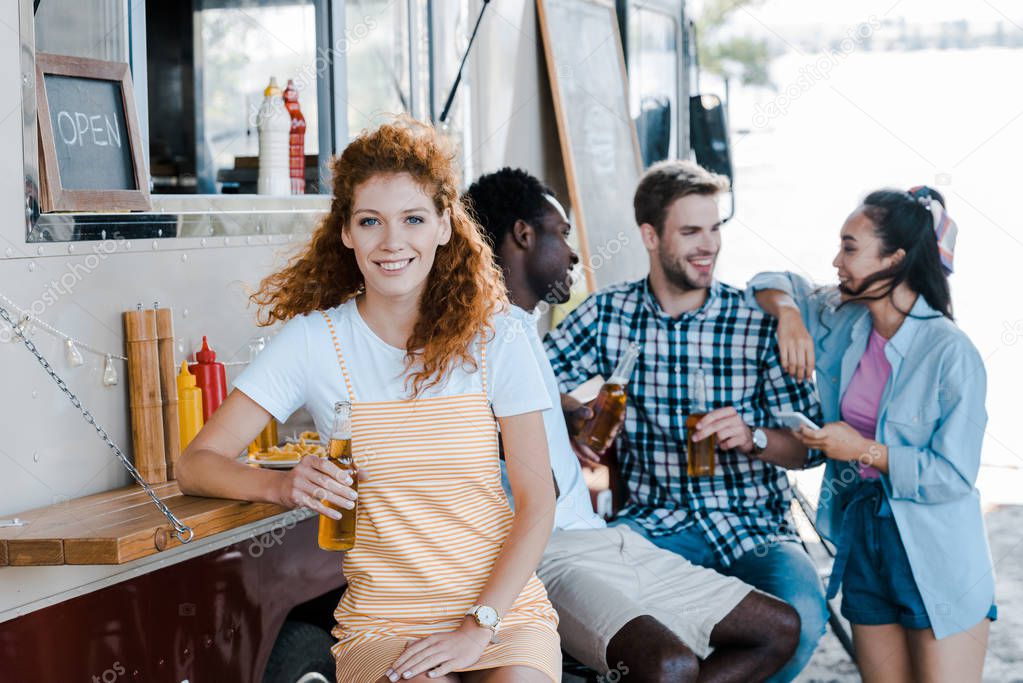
point(189, 406)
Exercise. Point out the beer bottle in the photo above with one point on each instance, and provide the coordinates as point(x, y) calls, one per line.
point(610, 405)
point(700, 454)
point(339, 534)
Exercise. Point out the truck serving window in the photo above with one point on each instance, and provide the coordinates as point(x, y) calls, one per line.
point(207, 71)
point(208, 63)
point(199, 71)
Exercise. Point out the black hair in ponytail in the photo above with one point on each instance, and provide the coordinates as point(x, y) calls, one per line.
point(901, 221)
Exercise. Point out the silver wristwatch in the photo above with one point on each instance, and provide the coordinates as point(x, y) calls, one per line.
point(759, 441)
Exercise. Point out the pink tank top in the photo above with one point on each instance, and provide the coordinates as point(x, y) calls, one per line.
point(862, 397)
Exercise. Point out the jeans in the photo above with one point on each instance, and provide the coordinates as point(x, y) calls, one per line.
point(783, 570)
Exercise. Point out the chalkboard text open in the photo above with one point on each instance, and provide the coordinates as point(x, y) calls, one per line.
point(89, 136)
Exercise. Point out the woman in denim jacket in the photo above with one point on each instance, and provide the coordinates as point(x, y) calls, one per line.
point(902, 390)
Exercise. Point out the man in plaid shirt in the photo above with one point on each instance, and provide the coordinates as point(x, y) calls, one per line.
point(736, 521)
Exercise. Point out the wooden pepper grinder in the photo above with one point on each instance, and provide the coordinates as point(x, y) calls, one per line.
point(140, 335)
point(168, 388)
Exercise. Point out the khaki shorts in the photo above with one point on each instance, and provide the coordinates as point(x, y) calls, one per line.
point(601, 579)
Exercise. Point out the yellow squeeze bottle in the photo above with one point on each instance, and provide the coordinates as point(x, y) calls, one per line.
point(189, 406)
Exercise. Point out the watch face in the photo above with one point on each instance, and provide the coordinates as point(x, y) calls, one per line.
point(487, 616)
point(759, 438)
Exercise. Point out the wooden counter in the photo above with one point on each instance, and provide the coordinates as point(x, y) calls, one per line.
point(119, 526)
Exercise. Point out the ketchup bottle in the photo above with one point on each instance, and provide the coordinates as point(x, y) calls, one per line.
point(296, 140)
point(211, 378)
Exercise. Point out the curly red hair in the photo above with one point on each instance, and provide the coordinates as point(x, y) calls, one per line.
point(463, 290)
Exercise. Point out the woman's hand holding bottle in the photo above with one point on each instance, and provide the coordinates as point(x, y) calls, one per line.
point(315, 480)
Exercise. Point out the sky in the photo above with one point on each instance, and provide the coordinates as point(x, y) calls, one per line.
point(795, 12)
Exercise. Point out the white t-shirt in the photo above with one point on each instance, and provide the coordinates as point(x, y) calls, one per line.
point(574, 511)
point(300, 368)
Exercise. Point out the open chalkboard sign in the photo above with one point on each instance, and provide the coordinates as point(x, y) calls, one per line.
point(89, 140)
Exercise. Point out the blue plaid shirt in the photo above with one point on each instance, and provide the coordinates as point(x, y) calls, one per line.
point(746, 503)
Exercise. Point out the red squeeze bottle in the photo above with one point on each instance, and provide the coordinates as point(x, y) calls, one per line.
point(211, 378)
point(296, 140)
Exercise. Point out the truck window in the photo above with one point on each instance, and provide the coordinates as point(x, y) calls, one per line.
point(654, 79)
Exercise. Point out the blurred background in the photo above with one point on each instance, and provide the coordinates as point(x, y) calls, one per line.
point(828, 101)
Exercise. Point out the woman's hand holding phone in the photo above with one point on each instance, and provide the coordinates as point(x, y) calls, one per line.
point(840, 441)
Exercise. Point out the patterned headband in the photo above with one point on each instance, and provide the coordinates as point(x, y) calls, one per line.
point(945, 229)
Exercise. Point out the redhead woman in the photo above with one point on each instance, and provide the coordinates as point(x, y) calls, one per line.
point(902, 389)
point(395, 305)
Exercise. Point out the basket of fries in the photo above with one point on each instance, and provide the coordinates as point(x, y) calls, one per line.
point(291, 453)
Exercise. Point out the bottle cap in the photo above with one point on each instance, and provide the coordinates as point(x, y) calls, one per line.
point(273, 88)
point(185, 378)
point(205, 354)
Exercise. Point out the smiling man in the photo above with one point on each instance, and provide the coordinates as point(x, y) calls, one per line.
point(737, 520)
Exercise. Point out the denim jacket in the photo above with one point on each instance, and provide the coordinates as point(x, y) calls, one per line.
point(932, 420)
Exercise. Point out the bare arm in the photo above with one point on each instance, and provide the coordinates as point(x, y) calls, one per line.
point(784, 449)
point(529, 473)
point(795, 345)
point(775, 301)
point(208, 467)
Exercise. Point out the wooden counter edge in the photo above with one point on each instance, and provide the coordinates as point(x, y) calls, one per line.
point(145, 542)
point(18, 547)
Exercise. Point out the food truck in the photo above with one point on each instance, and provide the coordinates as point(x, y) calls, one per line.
point(138, 224)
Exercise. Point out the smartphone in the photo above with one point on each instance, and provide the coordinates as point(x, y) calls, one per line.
point(794, 420)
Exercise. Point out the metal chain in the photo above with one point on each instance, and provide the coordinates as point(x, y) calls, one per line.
point(183, 532)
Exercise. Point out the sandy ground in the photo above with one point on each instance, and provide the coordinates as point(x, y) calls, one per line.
point(1004, 662)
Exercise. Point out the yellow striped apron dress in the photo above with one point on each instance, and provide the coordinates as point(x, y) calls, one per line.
point(432, 519)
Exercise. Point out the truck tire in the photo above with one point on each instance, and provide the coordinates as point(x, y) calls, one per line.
point(301, 654)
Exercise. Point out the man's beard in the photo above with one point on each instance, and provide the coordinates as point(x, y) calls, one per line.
point(675, 271)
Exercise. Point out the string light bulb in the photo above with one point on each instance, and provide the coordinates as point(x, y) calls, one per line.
point(72, 354)
point(109, 372)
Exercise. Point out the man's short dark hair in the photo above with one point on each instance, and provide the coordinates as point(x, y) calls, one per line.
point(667, 181)
point(496, 200)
